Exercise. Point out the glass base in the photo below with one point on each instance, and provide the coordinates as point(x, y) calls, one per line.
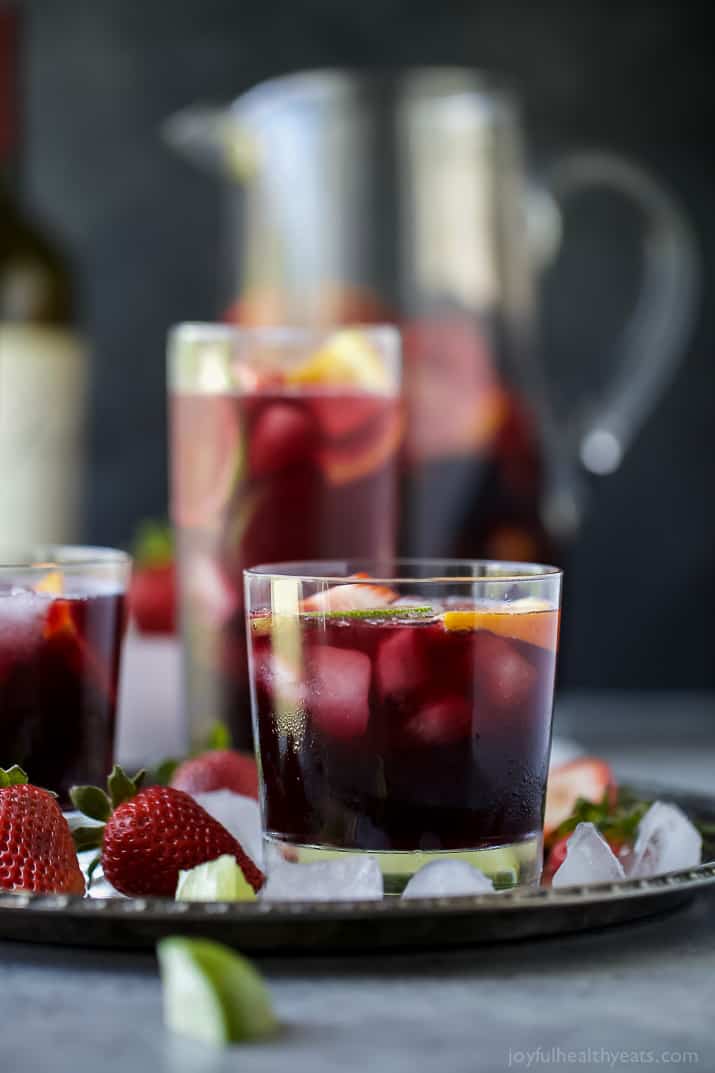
point(516, 864)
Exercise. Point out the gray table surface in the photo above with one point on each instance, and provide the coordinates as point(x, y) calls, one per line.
point(637, 994)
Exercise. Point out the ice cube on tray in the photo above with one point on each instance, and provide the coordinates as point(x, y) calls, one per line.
point(589, 859)
point(353, 877)
point(667, 842)
point(440, 879)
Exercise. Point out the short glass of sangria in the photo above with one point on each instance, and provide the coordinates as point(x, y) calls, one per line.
point(284, 445)
point(404, 709)
point(62, 621)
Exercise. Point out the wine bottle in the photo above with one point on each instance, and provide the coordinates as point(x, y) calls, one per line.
point(42, 360)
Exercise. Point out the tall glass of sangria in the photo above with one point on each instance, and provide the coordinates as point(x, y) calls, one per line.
point(283, 445)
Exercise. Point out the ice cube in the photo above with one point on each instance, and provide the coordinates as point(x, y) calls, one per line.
point(667, 842)
point(440, 722)
point(353, 877)
point(337, 694)
point(440, 879)
point(504, 676)
point(589, 859)
point(240, 816)
point(401, 665)
point(22, 616)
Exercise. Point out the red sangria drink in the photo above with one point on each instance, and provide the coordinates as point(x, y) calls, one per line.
point(407, 717)
point(283, 445)
point(62, 620)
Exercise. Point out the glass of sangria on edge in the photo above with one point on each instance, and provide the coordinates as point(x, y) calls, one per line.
point(284, 445)
point(62, 621)
point(404, 710)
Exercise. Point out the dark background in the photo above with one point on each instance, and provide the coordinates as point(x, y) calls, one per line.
point(143, 229)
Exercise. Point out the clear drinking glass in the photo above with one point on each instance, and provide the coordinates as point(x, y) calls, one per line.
point(62, 621)
point(404, 709)
point(283, 445)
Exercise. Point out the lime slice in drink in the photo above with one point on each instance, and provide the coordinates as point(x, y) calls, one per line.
point(212, 994)
point(215, 881)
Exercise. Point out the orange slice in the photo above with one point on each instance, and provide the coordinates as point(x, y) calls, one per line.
point(529, 623)
point(344, 463)
point(346, 359)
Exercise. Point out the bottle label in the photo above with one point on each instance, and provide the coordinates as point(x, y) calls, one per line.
point(43, 388)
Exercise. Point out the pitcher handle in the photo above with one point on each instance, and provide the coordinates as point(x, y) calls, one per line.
point(652, 343)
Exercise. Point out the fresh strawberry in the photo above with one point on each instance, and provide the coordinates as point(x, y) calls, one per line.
point(152, 595)
point(349, 597)
point(217, 769)
point(150, 835)
point(555, 858)
point(587, 778)
point(37, 853)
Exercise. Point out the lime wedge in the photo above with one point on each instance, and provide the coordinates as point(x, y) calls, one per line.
point(215, 881)
point(212, 994)
point(406, 611)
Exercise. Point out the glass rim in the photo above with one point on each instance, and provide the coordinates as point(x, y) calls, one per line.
point(305, 570)
point(275, 334)
point(70, 557)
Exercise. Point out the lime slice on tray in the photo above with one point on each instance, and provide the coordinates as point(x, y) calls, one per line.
point(212, 994)
point(215, 881)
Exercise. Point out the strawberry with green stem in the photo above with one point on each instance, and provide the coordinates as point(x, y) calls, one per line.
point(36, 849)
point(152, 595)
point(146, 836)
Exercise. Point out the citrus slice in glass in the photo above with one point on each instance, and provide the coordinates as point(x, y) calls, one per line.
point(530, 620)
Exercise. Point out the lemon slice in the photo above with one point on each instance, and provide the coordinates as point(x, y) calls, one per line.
point(51, 583)
point(215, 881)
point(212, 994)
point(346, 359)
point(533, 621)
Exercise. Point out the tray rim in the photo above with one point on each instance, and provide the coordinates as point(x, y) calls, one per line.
point(684, 882)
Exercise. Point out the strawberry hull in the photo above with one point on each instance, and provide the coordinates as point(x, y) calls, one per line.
point(405, 737)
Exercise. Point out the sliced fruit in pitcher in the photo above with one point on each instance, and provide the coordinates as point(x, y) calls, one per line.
point(346, 359)
point(282, 435)
point(207, 457)
point(354, 459)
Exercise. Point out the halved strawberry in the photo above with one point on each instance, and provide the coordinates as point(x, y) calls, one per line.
point(362, 597)
point(588, 778)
